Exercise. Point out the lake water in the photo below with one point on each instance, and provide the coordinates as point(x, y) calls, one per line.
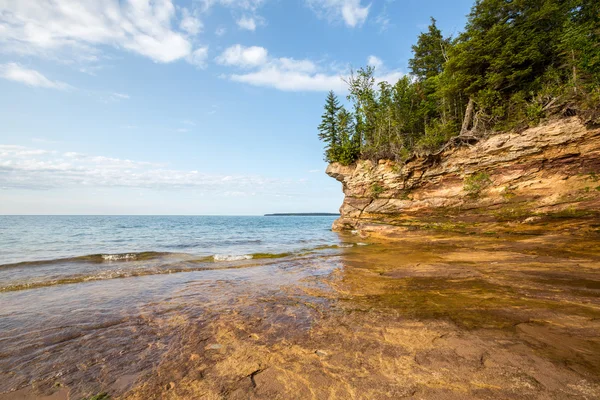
point(46, 250)
point(281, 307)
point(83, 295)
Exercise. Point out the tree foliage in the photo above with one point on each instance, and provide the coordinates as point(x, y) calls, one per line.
point(517, 62)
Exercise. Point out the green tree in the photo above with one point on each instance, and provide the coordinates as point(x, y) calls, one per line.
point(429, 59)
point(329, 128)
point(349, 151)
point(429, 53)
point(362, 93)
point(517, 62)
point(506, 55)
point(580, 44)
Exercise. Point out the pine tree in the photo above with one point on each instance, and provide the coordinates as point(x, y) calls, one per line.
point(429, 53)
point(580, 44)
point(516, 62)
point(348, 151)
point(329, 128)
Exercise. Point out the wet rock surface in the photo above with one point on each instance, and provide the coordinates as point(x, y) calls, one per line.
point(426, 317)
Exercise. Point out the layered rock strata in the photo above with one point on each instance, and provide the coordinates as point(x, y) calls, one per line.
point(527, 181)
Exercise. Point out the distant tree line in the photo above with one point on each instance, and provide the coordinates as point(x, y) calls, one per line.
point(516, 62)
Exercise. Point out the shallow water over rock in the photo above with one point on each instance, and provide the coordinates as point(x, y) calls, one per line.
point(426, 316)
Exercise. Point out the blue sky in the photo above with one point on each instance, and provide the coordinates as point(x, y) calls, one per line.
point(185, 106)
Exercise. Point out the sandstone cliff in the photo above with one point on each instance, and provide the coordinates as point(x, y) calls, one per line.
point(530, 181)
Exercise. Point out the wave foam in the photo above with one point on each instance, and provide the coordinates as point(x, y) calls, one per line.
point(119, 257)
point(231, 257)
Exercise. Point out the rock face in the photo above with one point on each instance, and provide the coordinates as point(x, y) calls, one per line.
point(546, 174)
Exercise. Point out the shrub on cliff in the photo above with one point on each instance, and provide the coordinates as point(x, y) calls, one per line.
point(475, 183)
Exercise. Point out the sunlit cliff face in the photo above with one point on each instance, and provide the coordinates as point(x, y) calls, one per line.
point(527, 181)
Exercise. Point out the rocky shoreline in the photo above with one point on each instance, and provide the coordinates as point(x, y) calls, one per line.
point(424, 317)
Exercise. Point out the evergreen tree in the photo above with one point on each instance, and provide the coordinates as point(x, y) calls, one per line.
point(580, 44)
point(516, 62)
point(429, 53)
point(429, 58)
point(348, 150)
point(329, 128)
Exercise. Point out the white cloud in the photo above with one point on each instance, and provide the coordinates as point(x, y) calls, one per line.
point(290, 80)
point(374, 62)
point(27, 168)
point(391, 77)
point(383, 21)
point(242, 56)
point(290, 64)
point(220, 31)
point(249, 5)
point(247, 23)
point(77, 29)
point(199, 57)
point(121, 96)
point(189, 23)
point(351, 11)
point(288, 74)
point(17, 73)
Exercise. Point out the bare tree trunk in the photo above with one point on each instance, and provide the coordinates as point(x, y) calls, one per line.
point(468, 117)
point(443, 50)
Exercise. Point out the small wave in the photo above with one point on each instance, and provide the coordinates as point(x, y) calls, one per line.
point(119, 257)
point(91, 258)
point(253, 256)
point(116, 271)
point(118, 274)
point(257, 256)
point(231, 257)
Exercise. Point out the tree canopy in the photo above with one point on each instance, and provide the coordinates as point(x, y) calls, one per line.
point(517, 62)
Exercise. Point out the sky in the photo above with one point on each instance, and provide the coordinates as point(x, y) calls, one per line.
point(186, 107)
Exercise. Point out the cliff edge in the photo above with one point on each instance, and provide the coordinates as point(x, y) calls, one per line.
point(542, 179)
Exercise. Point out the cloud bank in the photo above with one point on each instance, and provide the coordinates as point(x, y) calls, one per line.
point(37, 169)
point(17, 73)
point(352, 12)
point(79, 28)
point(288, 74)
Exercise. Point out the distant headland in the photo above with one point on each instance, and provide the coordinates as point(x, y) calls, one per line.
point(303, 215)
